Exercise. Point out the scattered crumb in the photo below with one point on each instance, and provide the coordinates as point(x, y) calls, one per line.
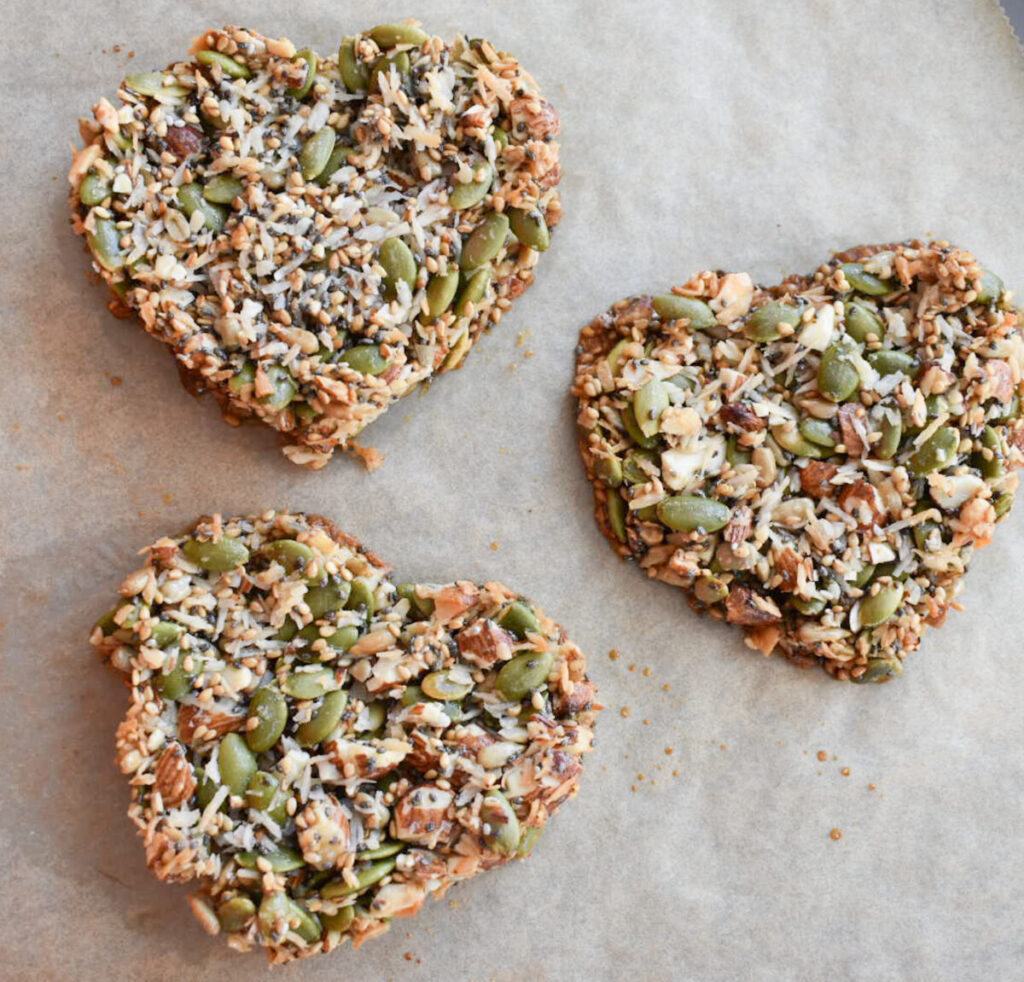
point(647, 722)
point(634, 788)
point(822, 755)
point(669, 751)
point(639, 777)
point(871, 787)
point(521, 338)
point(116, 380)
point(613, 655)
point(625, 712)
point(632, 668)
point(167, 498)
point(666, 687)
point(528, 353)
point(723, 747)
point(117, 48)
point(845, 772)
point(836, 835)
point(495, 545)
point(646, 673)
point(454, 904)
point(61, 417)
point(675, 773)
point(513, 367)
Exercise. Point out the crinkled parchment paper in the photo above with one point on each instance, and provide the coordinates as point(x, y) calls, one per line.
point(695, 134)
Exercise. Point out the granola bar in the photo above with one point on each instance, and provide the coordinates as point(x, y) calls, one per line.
point(312, 237)
point(813, 461)
point(319, 749)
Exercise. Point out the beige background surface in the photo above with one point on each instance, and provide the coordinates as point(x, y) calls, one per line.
point(695, 135)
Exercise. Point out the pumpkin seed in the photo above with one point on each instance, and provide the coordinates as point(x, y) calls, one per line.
point(936, 453)
point(672, 307)
point(692, 513)
point(865, 283)
point(879, 607)
point(524, 674)
point(486, 241)
point(763, 323)
point(530, 228)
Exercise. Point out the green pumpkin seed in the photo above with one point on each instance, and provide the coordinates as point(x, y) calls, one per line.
point(361, 596)
point(166, 633)
point(316, 152)
point(500, 137)
point(390, 35)
point(408, 591)
point(809, 608)
point(691, 513)
point(365, 359)
point(217, 557)
point(191, 200)
point(617, 516)
point(93, 190)
point(206, 788)
point(441, 290)
point(105, 242)
point(382, 851)
point(473, 290)
point(152, 84)
point(227, 65)
point(366, 876)
point(936, 453)
point(608, 470)
point(789, 438)
point(237, 763)
point(439, 685)
point(524, 674)
point(325, 720)
point(989, 287)
point(341, 640)
point(291, 554)
point(633, 470)
point(339, 922)
point(338, 158)
point(637, 435)
point(648, 404)
point(617, 355)
point(763, 324)
point(530, 228)
point(468, 194)
point(889, 361)
point(672, 307)
point(354, 72)
point(528, 840)
point(710, 590)
point(880, 670)
point(305, 924)
point(891, 428)
point(863, 323)
point(382, 66)
point(269, 708)
point(309, 685)
point(487, 240)
point(1002, 504)
point(378, 715)
point(864, 576)
point(922, 534)
point(274, 909)
point(323, 600)
point(234, 914)
point(245, 375)
point(223, 189)
point(991, 464)
point(176, 683)
point(499, 824)
point(284, 385)
point(520, 619)
point(838, 378)
point(312, 61)
point(736, 455)
point(399, 266)
point(265, 794)
point(864, 282)
point(817, 431)
point(879, 607)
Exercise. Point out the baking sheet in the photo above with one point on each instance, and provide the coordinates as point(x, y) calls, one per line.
point(695, 134)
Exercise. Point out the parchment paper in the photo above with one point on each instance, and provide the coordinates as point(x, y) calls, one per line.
point(726, 134)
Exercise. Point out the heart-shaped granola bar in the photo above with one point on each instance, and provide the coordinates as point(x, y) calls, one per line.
point(320, 749)
point(313, 236)
point(813, 461)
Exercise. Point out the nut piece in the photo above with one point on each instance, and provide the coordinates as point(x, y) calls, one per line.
point(173, 776)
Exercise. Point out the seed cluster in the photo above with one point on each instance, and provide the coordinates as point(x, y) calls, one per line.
point(311, 236)
point(813, 461)
point(321, 749)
